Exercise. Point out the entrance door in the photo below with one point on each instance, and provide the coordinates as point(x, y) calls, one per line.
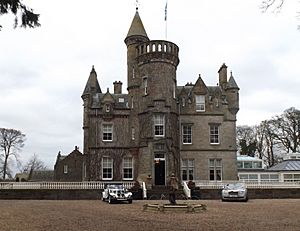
point(159, 172)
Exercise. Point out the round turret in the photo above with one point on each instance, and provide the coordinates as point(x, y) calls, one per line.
point(158, 51)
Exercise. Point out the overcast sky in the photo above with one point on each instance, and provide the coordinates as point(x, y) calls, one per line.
point(43, 71)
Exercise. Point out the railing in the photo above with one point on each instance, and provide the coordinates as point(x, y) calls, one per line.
point(144, 190)
point(186, 190)
point(62, 185)
point(262, 185)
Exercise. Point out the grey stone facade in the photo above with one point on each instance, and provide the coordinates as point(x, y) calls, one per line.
point(158, 128)
point(70, 167)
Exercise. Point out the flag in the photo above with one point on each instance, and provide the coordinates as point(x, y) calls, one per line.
point(166, 9)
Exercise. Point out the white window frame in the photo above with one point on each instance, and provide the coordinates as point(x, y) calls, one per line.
point(159, 125)
point(128, 165)
point(187, 134)
point(215, 167)
point(106, 130)
point(214, 134)
point(65, 169)
point(200, 103)
point(188, 166)
point(107, 163)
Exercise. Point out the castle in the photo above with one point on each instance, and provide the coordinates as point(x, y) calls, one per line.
point(158, 127)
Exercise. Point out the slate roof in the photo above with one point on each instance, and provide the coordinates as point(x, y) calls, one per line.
point(121, 100)
point(92, 85)
point(137, 27)
point(287, 165)
point(231, 83)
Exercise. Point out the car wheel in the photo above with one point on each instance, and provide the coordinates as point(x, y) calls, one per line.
point(103, 199)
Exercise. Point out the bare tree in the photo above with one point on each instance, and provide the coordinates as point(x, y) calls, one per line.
point(34, 163)
point(268, 142)
point(287, 129)
point(275, 6)
point(11, 141)
point(246, 140)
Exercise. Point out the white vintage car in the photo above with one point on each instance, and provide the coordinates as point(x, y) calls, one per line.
point(234, 192)
point(116, 192)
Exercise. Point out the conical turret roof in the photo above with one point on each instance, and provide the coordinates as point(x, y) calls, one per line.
point(231, 83)
point(92, 85)
point(137, 27)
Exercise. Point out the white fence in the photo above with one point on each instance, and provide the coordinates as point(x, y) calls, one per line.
point(61, 185)
point(128, 184)
point(254, 185)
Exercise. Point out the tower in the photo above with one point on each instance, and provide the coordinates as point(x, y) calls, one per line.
point(152, 66)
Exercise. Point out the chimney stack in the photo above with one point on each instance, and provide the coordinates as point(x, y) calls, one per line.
point(223, 76)
point(117, 87)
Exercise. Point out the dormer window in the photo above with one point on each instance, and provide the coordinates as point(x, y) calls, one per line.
point(107, 108)
point(200, 103)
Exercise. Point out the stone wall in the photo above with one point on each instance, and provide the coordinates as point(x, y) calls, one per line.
point(205, 194)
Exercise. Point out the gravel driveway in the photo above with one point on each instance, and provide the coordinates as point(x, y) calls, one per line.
point(95, 215)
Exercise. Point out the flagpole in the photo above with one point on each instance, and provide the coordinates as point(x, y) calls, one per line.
point(166, 22)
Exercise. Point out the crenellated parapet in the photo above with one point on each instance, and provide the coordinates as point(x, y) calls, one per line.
point(157, 51)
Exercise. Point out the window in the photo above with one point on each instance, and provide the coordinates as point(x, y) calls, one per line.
point(183, 102)
point(159, 125)
point(248, 177)
point(132, 133)
point(214, 134)
point(215, 169)
point(247, 164)
point(200, 103)
point(269, 177)
point(107, 168)
point(291, 177)
point(121, 100)
point(107, 132)
point(133, 73)
point(107, 107)
point(127, 168)
point(239, 164)
point(186, 134)
point(145, 84)
point(131, 101)
point(65, 169)
point(257, 164)
point(174, 90)
point(187, 169)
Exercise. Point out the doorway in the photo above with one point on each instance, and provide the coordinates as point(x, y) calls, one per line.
point(160, 171)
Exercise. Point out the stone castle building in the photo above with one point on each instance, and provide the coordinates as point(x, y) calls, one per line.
point(158, 127)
